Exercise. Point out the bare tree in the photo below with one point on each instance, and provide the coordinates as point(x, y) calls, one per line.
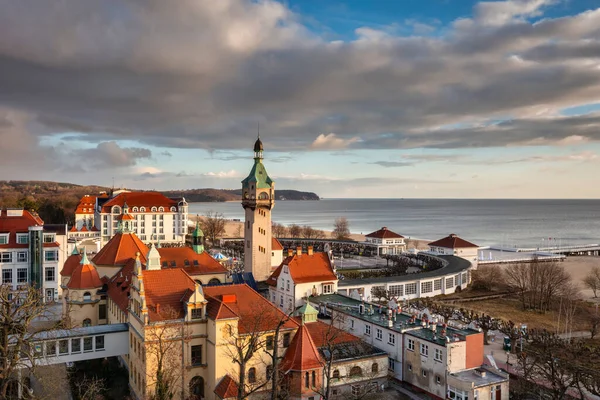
point(278, 230)
point(592, 280)
point(164, 344)
point(295, 230)
point(213, 225)
point(308, 232)
point(486, 278)
point(89, 388)
point(341, 229)
point(319, 234)
point(23, 316)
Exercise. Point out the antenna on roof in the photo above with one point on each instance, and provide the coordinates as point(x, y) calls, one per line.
point(258, 129)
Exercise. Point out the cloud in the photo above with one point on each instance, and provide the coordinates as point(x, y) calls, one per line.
point(331, 142)
point(392, 164)
point(223, 174)
point(166, 153)
point(195, 75)
point(111, 155)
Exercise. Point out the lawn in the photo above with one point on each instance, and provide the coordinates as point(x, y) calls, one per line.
point(510, 309)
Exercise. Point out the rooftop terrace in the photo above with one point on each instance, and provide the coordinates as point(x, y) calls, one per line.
point(480, 376)
point(378, 315)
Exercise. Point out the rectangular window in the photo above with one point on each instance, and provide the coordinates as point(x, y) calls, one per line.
point(287, 286)
point(286, 339)
point(449, 282)
point(270, 342)
point(424, 350)
point(378, 334)
point(99, 343)
point(22, 256)
point(49, 274)
point(457, 280)
point(22, 238)
point(411, 288)
point(327, 289)
point(197, 355)
point(87, 344)
point(7, 276)
point(367, 329)
point(392, 339)
point(426, 287)
point(49, 238)
point(51, 255)
point(63, 346)
point(197, 313)
point(105, 217)
point(396, 290)
point(76, 345)
point(21, 275)
point(51, 348)
point(464, 278)
point(351, 324)
point(437, 284)
point(392, 364)
point(411, 345)
point(6, 257)
point(438, 355)
point(3, 239)
point(102, 311)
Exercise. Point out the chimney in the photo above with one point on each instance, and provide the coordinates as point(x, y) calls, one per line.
point(290, 252)
point(310, 251)
point(299, 250)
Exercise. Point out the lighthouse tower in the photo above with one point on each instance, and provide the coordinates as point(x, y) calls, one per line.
point(258, 198)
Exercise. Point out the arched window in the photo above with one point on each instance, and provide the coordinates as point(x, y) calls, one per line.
point(314, 379)
point(375, 368)
point(336, 374)
point(153, 209)
point(306, 382)
point(252, 375)
point(87, 296)
point(214, 281)
point(87, 322)
point(161, 209)
point(116, 210)
point(263, 196)
point(134, 209)
point(197, 387)
point(198, 281)
point(173, 209)
point(355, 371)
point(142, 209)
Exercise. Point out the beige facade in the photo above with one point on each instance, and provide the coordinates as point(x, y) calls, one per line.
point(478, 383)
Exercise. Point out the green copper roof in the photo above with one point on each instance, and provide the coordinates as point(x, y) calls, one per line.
point(258, 175)
point(198, 232)
point(307, 309)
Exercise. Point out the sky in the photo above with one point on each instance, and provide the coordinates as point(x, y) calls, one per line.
point(379, 98)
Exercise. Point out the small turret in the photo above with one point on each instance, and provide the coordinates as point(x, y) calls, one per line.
point(198, 239)
point(153, 259)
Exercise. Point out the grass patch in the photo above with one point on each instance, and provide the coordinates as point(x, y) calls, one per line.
point(510, 309)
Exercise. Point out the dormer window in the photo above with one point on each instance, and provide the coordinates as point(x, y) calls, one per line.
point(142, 209)
point(285, 269)
point(116, 210)
point(134, 209)
point(173, 209)
point(197, 313)
point(161, 209)
point(153, 209)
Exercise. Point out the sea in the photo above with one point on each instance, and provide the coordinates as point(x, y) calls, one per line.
point(507, 223)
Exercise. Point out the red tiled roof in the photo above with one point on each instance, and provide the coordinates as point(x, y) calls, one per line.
point(227, 388)
point(84, 276)
point(168, 289)
point(302, 354)
point(73, 229)
point(322, 334)
point(118, 285)
point(17, 224)
point(452, 242)
point(306, 268)
point(125, 217)
point(70, 264)
point(140, 199)
point(276, 244)
point(119, 249)
point(83, 229)
point(254, 311)
point(384, 233)
point(197, 264)
point(88, 203)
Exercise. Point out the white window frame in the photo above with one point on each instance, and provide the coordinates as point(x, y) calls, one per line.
point(438, 356)
point(391, 339)
point(22, 256)
point(6, 257)
point(4, 238)
point(9, 273)
point(368, 330)
point(411, 345)
point(424, 350)
point(21, 236)
point(378, 334)
point(327, 288)
point(19, 279)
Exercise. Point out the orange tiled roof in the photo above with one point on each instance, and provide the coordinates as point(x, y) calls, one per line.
point(73, 229)
point(254, 311)
point(227, 388)
point(87, 203)
point(70, 264)
point(140, 199)
point(452, 242)
point(306, 268)
point(83, 229)
point(84, 276)
point(119, 249)
point(166, 290)
point(302, 354)
point(384, 233)
point(17, 224)
point(322, 334)
point(118, 285)
point(125, 217)
point(197, 264)
point(276, 244)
